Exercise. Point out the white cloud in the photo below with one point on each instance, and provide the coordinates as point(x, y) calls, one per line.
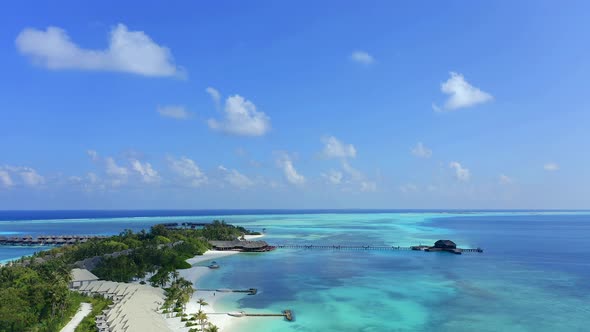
point(28, 176)
point(189, 170)
point(355, 174)
point(5, 179)
point(357, 178)
point(128, 51)
point(334, 177)
point(92, 178)
point(362, 57)
point(461, 173)
point(113, 169)
point(241, 118)
point(215, 95)
point(461, 94)
point(146, 171)
point(286, 164)
point(421, 151)
point(174, 111)
point(89, 183)
point(333, 148)
point(235, 178)
point(551, 167)
point(93, 155)
point(368, 186)
point(504, 179)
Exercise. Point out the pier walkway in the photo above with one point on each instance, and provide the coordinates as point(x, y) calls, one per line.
point(368, 247)
point(287, 314)
point(249, 291)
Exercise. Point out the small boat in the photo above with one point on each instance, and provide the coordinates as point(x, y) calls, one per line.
point(214, 265)
point(237, 313)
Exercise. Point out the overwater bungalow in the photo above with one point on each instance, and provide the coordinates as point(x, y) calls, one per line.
point(445, 245)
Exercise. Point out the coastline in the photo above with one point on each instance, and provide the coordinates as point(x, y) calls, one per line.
point(194, 274)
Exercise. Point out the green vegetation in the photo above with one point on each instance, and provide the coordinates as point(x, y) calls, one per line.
point(99, 303)
point(34, 293)
point(35, 298)
point(219, 230)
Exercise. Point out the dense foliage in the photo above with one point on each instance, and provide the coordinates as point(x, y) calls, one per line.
point(34, 294)
point(35, 298)
point(219, 230)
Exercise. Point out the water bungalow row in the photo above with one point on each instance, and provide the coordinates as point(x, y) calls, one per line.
point(28, 240)
point(192, 225)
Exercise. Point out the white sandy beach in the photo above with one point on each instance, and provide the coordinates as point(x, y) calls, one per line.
point(221, 320)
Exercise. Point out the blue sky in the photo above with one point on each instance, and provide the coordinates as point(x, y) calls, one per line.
point(294, 104)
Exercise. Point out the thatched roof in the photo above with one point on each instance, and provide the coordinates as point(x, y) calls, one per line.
point(445, 244)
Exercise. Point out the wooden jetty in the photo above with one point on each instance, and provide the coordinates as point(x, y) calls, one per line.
point(287, 314)
point(249, 291)
point(445, 245)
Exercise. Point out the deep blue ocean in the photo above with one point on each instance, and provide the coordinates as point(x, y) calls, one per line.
point(532, 276)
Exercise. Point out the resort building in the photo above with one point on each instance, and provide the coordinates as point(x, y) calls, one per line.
point(249, 246)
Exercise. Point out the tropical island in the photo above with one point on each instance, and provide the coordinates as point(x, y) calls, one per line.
point(43, 292)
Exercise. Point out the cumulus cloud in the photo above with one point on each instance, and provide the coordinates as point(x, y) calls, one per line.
point(461, 94)
point(333, 177)
point(362, 57)
point(461, 173)
point(241, 118)
point(5, 179)
point(357, 178)
point(145, 171)
point(421, 151)
point(291, 174)
point(113, 169)
point(235, 178)
point(368, 186)
point(215, 96)
point(89, 183)
point(355, 174)
point(551, 167)
point(333, 148)
point(504, 179)
point(28, 176)
point(174, 111)
point(188, 170)
point(128, 51)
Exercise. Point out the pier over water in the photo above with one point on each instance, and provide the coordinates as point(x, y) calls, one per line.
point(440, 245)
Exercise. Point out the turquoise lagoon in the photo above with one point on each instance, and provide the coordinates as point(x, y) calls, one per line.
point(533, 275)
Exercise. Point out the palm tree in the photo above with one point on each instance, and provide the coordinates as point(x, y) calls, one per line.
point(175, 275)
point(165, 279)
point(202, 303)
point(202, 318)
point(212, 328)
